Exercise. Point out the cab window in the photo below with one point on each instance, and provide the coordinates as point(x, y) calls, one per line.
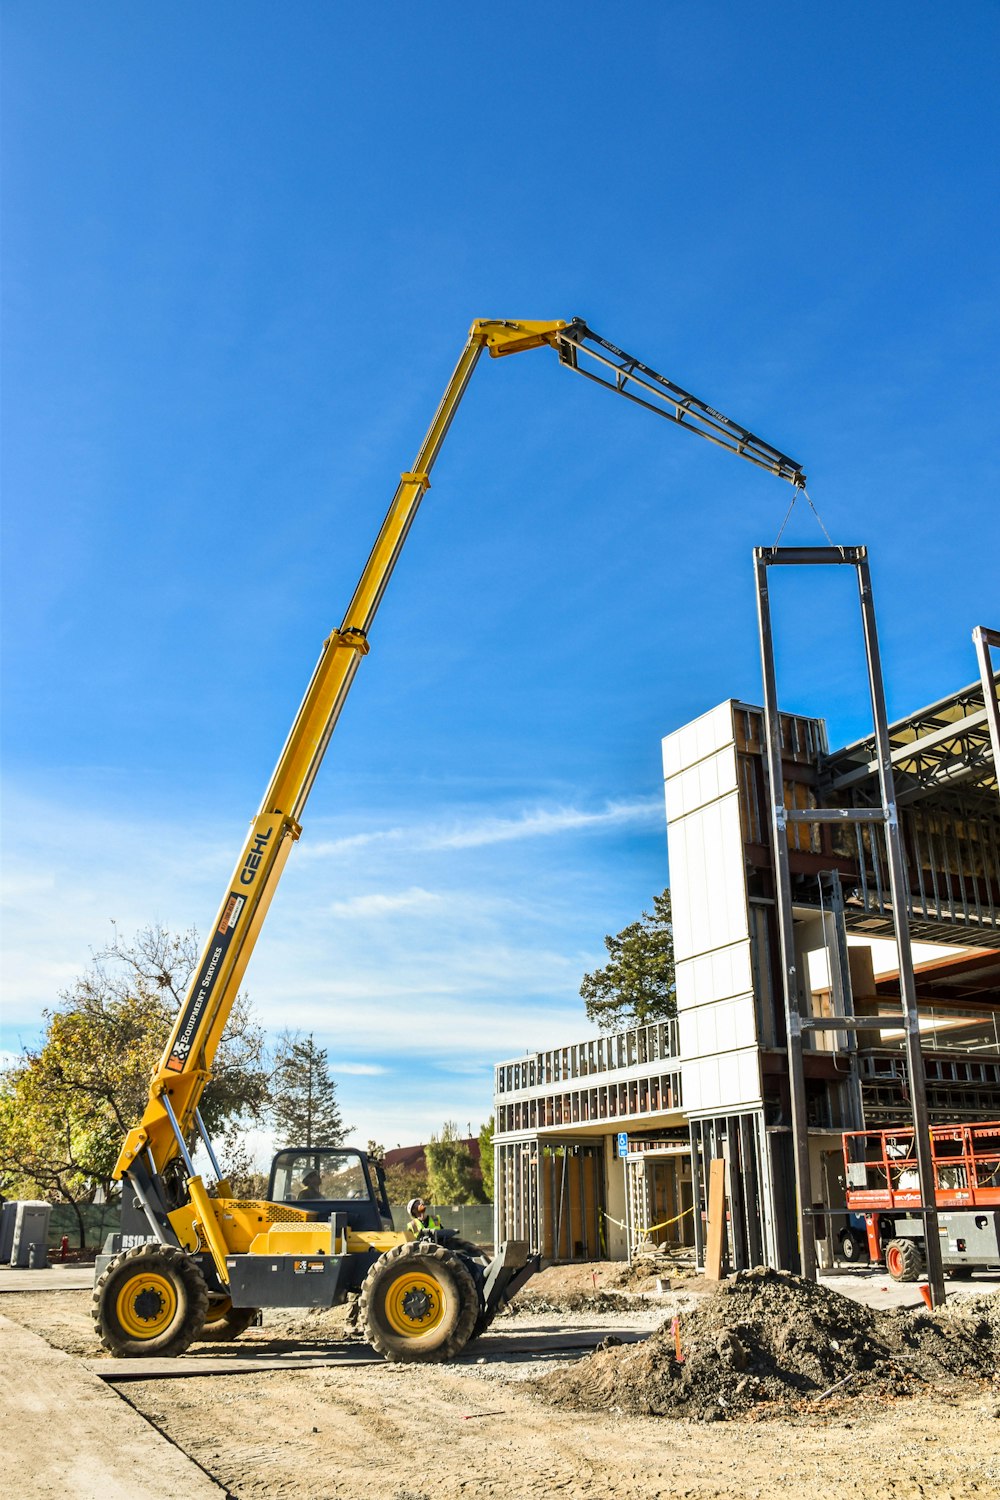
point(319, 1176)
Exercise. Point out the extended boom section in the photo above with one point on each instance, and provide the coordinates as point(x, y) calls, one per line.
point(629, 377)
point(185, 1066)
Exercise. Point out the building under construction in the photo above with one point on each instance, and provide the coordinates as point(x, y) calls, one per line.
point(603, 1141)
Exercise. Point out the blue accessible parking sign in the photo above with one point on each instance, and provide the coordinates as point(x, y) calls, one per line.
point(622, 1143)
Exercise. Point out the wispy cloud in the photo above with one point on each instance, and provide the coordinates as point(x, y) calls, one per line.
point(544, 823)
point(480, 832)
point(384, 903)
point(426, 948)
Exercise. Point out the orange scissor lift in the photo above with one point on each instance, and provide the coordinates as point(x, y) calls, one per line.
point(882, 1184)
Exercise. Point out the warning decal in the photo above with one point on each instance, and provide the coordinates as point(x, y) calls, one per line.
point(202, 990)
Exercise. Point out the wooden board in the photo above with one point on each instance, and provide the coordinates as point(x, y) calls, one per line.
point(716, 1219)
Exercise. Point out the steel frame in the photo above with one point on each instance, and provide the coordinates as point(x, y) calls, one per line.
point(983, 639)
point(887, 815)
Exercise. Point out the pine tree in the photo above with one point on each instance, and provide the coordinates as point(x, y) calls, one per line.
point(637, 986)
point(304, 1108)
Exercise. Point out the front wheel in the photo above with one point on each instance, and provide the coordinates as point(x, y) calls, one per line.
point(903, 1260)
point(224, 1322)
point(419, 1303)
point(150, 1300)
point(850, 1247)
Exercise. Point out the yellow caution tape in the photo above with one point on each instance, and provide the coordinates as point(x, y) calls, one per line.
point(652, 1227)
point(667, 1222)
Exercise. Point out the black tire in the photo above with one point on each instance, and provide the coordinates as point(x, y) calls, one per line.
point(851, 1248)
point(483, 1322)
point(419, 1303)
point(225, 1322)
point(903, 1260)
point(151, 1300)
point(479, 1258)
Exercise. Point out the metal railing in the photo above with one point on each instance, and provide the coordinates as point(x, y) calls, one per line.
point(634, 1047)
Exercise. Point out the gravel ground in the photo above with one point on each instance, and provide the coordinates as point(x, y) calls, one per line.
point(479, 1429)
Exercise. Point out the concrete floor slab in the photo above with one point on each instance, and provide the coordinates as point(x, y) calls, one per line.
point(876, 1288)
point(64, 1432)
point(53, 1279)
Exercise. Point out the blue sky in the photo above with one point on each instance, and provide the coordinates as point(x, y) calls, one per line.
point(242, 246)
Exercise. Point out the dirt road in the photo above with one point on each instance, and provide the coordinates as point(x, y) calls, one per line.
point(477, 1429)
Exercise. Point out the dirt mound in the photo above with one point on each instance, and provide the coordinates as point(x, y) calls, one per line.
point(767, 1342)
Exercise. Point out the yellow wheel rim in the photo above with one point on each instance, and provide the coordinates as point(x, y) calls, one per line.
point(217, 1311)
point(415, 1304)
point(146, 1305)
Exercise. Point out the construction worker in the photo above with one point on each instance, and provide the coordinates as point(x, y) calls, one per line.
point(421, 1218)
point(311, 1184)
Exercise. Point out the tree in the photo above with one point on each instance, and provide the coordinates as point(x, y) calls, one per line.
point(66, 1107)
point(486, 1157)
point(304, 1108)
point(450, 1168)
point(403, 1183)
point(638, 984)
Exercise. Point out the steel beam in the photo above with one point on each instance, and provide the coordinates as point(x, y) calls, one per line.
point(984, 639)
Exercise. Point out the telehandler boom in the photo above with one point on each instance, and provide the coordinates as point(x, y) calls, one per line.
point(189, 1262)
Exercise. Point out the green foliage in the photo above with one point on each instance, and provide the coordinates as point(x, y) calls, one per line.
point(304, 1108)
point(450, 1168)
point(402, 1184)
point(65, 1108)
point(637, 985)
point(486, 1157)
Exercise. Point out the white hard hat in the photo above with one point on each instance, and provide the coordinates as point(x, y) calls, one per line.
point(413, 1205)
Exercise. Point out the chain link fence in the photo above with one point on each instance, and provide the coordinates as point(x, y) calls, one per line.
point(473, 1221)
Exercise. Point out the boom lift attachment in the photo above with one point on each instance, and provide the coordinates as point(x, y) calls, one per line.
point(213, 1235)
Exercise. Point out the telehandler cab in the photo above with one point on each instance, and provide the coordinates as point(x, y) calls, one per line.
point(190, 1263)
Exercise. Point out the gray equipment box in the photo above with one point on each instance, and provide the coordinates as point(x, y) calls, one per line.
point(8, 1217)
point(969, 1236)
point(31, 1226)
point(286, 1280)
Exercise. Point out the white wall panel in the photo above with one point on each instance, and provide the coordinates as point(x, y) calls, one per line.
point(716, 1014)
point(714, 975)
point(707, 879)
point(701, 737)
point(703, 782)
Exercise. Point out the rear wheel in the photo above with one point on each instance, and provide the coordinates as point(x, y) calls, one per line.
point(903, 1260)
point(419, 1303)
point(150, 1300)
point(224, 1322)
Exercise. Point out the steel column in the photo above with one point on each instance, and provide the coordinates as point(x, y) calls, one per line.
point(786, 935)
point(899, 891)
